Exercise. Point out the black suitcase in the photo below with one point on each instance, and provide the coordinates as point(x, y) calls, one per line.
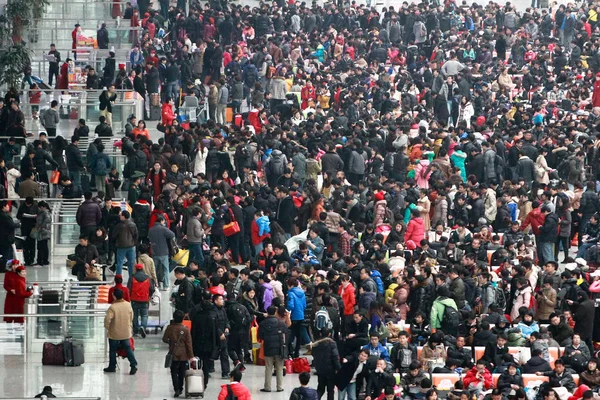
point(50, 297)
point(74, 355)
point(110, 190)
point(155, 113)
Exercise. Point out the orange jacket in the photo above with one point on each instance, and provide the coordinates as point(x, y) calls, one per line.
point(348, 295)
point(168, 116)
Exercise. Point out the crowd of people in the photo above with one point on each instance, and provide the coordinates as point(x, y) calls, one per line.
point(397, 193)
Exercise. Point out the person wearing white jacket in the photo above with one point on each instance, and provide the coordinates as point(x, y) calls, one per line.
point(201, 153)
point(11, 175)
point(466, 111)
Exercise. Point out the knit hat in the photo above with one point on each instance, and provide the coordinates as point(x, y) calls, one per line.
point(139, 266)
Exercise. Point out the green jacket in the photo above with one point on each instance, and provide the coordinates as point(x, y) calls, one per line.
point(437, 311)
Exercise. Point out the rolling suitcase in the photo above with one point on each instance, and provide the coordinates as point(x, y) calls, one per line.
point(155, 113)
point(85, 183)
point(194, 380)
point(154, 100)
point(73, 350)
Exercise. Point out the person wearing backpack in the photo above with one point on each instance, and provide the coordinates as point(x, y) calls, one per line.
point(275, 166)
point(239, 320)
point(272, 332)
point(444, 313)
point(303, 392)
point(235, 389)
point(101, 166)
point(140, 288)
point(488, 293)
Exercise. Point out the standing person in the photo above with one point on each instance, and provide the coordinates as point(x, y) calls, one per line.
point(75, 162)
point(126, 236)
point(50, 119)
point(296, 305)
point(271, 332)
point(118, 323)
point(326, 360)
point(236, 242)
point(107, 99)
point(16, 293)
point(53, 65)
point(179, 339)
point(223, 327)
point(101, 167)
point(185, 293)
point(239, 320)
point(160, 236)
point(141, 288)
point(7, 231)
point(195, 236)
point(352, 375)
point(89, 215)
point(43, 225)
point(548, 235)
point(27, 214)
point(204, 335)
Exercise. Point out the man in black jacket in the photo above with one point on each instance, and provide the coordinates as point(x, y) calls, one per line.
point(327, 363)
point(378, 380)
point(285, 211)
point(74, 161)
point(559, 377)
point(7, 233)
point(494, 351)
point(27, 214)
point(223, 328)
point(204, 334)
point(239, 319)
point(403, 353)
point(272, 332)
point(85, 254)
point(39, 161)
point(185, 294)
point(548, 235)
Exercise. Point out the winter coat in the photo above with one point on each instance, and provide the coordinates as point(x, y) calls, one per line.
point(270, 332)
point(546, 301)
point(119, 320)
point(89, 214)
point(140, 216)
point(15, 302)
point(522, 299)
point(457, 290)
point(379, 213)
point(346, 372)
point(326, 358)
point(549, 231)
point(437, 311)
point(204, 331)
point(560, 332)
point(471, 377)
point(179, 339)
point(43, 224)
point(506, 380)
point(592, 379)
point(584, 319)
point(536, 364)
point(296, 303)
point(240, 391)
point(415, 230)
point(126, 234)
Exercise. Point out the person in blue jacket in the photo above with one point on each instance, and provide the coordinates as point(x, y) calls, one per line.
point(296, 304)
point(376, 349)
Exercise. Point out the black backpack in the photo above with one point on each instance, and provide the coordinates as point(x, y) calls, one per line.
point(230, 395)
point(239, 316)
point(450, 320)
point(499, 297)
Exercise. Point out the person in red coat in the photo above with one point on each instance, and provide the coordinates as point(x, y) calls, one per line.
point(118, 285)
point(168, 116)
point(63, 79)
point(16, 293)
point(240, 391)
point(415, 230)
point(307, 94)
point(596, 95)
point(478, 378)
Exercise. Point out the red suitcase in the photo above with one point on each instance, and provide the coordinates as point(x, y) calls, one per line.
point(238, 120)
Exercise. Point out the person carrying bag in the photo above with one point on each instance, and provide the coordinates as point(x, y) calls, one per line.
point(179, 338)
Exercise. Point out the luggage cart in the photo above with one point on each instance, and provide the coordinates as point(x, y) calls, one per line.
point(154, 319)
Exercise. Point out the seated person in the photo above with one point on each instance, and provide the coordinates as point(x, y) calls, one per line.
point(478, 378)
point(419, 330)
point(591, 376)
point(86, 256)
point(411, 381)
point(375, 348)
point(462, 354)
point(434, 352)
point(304, 256)
point(510, 380)
point(527, 325)
point(403, 353)
point(577, 354)
point(494, 351)
point(378, 380)
point(559, 377)
point(536, 363)
point(484, 335)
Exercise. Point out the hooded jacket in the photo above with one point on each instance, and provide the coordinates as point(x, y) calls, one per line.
point(326, 358)
point(437, 310)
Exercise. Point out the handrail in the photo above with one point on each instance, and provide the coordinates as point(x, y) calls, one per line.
point(57, 398)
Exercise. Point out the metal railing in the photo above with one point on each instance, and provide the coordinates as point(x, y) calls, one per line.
point(89, 55)
point(57, 398)
point(61, 36)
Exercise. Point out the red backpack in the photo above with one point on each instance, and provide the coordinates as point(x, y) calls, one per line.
point(140, 291)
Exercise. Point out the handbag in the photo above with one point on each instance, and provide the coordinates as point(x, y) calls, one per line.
point(34, 233)
point(254, 331)
point(182, 257)
point(187, 322)
point(55, 177)
point(169, 356)
point(231, 228)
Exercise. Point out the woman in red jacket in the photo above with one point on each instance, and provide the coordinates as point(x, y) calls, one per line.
point(16, 293)
point(167, 113)
point(415, 230)
point(63, 79)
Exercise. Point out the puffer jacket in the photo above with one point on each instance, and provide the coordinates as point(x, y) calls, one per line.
point(296, 303)
point(421, 300)
point(515, 339)
point(415, 230)
point(195, 232)
point(43, 223)
point(437, 311)
point(457, 290)
point(140, 216)
point(326, 358)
